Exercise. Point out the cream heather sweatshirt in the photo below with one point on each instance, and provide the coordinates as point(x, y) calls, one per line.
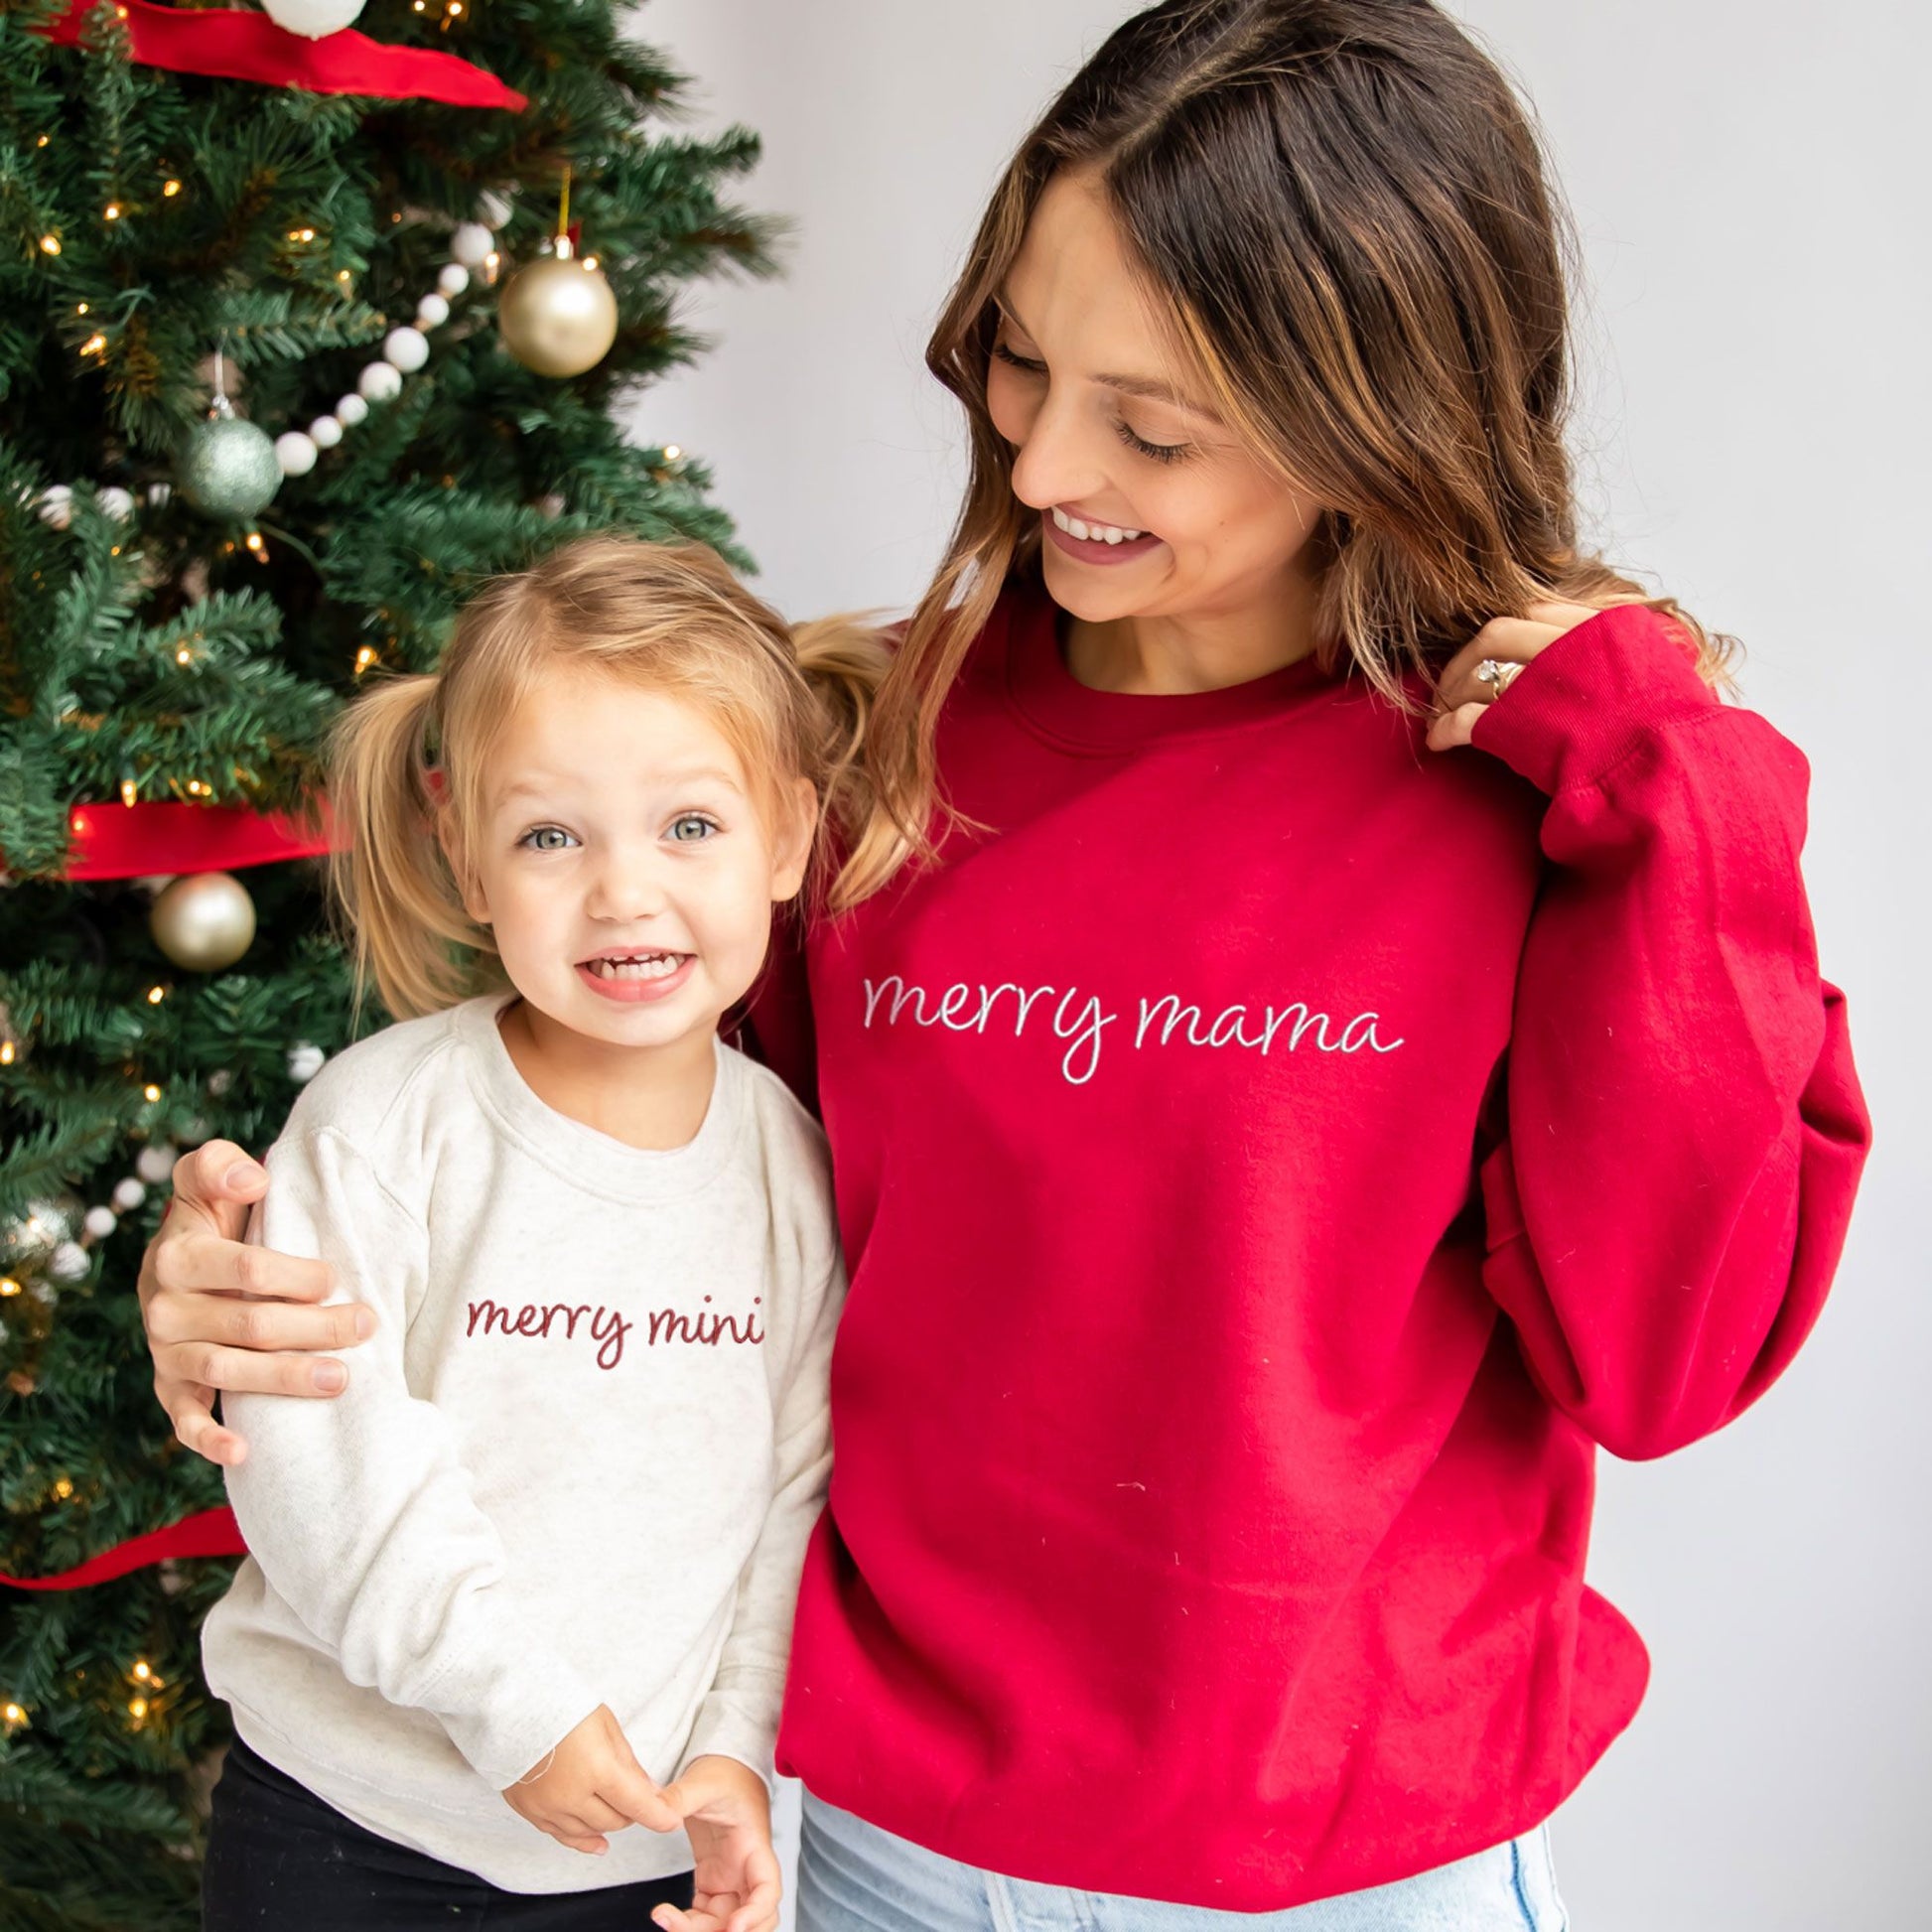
point(576, 1464)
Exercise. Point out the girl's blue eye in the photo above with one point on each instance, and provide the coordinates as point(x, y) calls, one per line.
point(693, 828)
point(536, 837)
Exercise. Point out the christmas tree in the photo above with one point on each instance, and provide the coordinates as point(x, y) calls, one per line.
point(300, 338)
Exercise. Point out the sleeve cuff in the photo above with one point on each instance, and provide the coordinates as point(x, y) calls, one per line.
point(1589, 699)
point(511, 1736)
point(725, 1727)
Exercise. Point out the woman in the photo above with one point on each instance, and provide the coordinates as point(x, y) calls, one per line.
point(1318, 1028)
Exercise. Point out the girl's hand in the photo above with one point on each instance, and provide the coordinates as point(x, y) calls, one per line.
point(218, 1309)
point(1461, 697)
point(727, 1814)
point(590, 1784)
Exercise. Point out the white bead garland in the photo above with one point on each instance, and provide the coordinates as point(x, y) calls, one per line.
point(405, 349)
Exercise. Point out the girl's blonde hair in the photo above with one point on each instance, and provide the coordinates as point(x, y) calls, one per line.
point(408, 761)
point(1342, 209)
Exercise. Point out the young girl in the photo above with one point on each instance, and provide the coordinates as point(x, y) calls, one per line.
point(530, 1582)
point(1354, 1045)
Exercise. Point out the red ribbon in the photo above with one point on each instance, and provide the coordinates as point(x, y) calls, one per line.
point(238, 45)
point(136, 840)
point(210, 1533)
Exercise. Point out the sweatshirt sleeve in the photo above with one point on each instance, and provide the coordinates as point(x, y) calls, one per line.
point(739, 1717)
point(1684, 1129)
point(358, 1509)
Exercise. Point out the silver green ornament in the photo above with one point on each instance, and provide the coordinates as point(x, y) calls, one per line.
point(227, 467)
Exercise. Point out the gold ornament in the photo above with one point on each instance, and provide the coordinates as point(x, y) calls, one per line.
point(204, 921)
point(557, 316)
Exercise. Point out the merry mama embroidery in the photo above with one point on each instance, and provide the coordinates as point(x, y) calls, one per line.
point(1083, 1023)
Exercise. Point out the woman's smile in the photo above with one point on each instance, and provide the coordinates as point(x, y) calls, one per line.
point(1095, 543)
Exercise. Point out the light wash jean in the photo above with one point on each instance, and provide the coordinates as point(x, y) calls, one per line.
point(854, 1877)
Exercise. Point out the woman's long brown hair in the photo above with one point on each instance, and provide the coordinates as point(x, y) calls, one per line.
point(1343, 209)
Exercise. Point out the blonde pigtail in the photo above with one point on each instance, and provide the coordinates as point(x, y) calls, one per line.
point(391, 883)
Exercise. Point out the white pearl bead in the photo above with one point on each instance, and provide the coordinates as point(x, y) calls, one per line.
point(454, 279)
point(350, 410)
point(493, 208)
point(305, 1060)
point(472, 243)
point(406, 350)
point(432, 312)
point(57, 506)
point(154, 1164)
point(101, 1223)
point(115, 501)
point(69, 1261)
point(327, 431)
point(128, 1195)
point(380, 382)
point(159, 493)
point(296, 453)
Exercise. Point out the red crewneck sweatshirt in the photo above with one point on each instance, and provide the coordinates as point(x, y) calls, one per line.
point(1270, 1157)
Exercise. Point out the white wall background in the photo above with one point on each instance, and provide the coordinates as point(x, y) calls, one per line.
point(1751, 196)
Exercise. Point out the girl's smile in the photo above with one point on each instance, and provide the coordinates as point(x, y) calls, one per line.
point(637, 977)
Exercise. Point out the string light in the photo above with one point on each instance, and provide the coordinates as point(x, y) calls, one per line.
point(196, 786)
point(171, 187)
point(128, 791)
point(50, 244)
point(137, 1709)
point(8, 1285)
point(302, 234)
point(43, 141)
point(151, 1092)
point(143, 1673)
point(6, 1052)
point(155, 994)
point(254, 541)
point(93, 344)
point(80, 308)
point(112, 210)
point(183, 655)
point(16, 1718)
point(672, 452)
point(63, 1488)
point(364, 659)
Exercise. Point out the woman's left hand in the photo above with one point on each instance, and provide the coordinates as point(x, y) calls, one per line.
point(1461, 697)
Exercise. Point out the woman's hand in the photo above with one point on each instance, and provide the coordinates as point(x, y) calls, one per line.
point(727, 1814)
point(223, 1315)
point(1461, 697)
point(590, 1784)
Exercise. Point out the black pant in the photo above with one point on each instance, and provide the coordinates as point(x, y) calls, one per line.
point(278, 1860)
